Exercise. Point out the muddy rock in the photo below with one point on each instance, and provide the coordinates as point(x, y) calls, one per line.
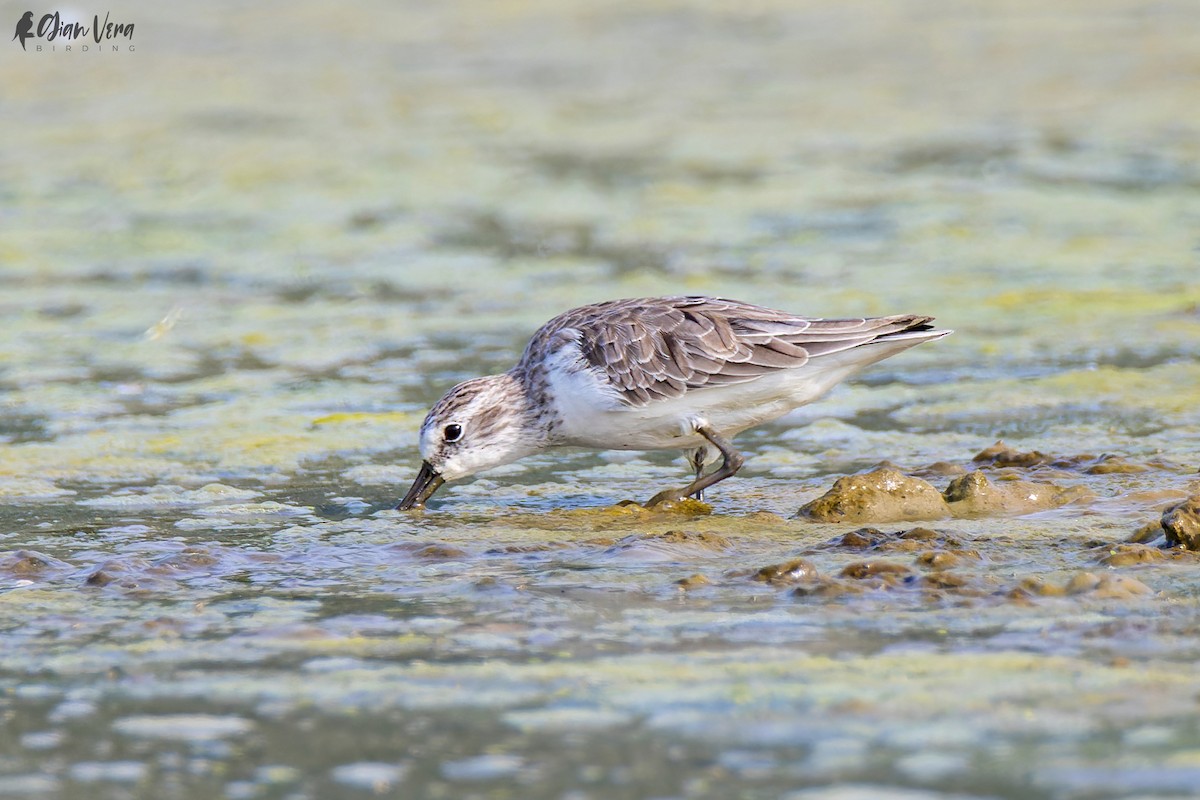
point(1181, 522)
point(1082, 582)
point(861, 539)
point(712, 541)
point(1001, 455)
point(886, 495)
point(910, 541)
point(870, 569)
point(439, 552)
point(130, 574)
point(769, 517)
point(624, 507)
point(1036, 586)
point(917, 539)
point(828, 588)
point(30, 564)
point(684, 506)
point(940, 469)
point(882, 495)
point(692, 582)
point(1089, 584)
point(1147, 533)
point(520, 549)
point(1124, 555)
point(938, 559)
point(920, 535)
point(674, 539)
point(973, 495)
point(1114, 465)
point(672, 545)
point(1111, 587)
point(190, 559)
point(794, 571)
point(1120, 587)
point(945, 581)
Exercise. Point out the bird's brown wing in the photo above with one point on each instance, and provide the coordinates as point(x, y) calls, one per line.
point(657, 348)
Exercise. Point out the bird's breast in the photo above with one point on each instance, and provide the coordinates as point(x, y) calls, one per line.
point(590, 412)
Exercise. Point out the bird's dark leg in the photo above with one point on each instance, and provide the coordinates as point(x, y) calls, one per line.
point(732, 462)
point(696, 459)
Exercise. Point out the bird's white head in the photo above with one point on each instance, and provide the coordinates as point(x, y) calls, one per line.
point(479, 424)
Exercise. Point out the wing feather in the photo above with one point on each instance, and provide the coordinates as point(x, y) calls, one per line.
point(656, 348)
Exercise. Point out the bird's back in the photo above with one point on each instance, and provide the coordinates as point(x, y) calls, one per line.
point(654, 349)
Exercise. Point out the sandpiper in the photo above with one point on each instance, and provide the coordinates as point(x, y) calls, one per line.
point(659, 373)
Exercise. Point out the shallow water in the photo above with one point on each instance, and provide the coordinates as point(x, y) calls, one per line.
point(240, 263)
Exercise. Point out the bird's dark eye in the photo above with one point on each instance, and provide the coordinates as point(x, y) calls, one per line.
point(452, 432)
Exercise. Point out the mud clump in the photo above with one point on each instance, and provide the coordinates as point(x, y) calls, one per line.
point(526, 549)
point(973, 495)
point(29, 564)
point(430, 551)
point(132, 575)
point(1147, 533)
point(920, 535)
point(1181, 523)
point(1112, 587)
point(1125, 555)
point(440, 552)
point(768, 517)
point(1034, 586)
point(940, 469)
point(872, 569)
point(665, 503)
point(946, 581)
point(692, 582)
point(700, 539)
point(1001, 455)
point(713, 541)
point(794, 571)
point(668, 502)
point(669, 544)
point(882, 495)
point(887, 495)
point(938, 560)
point(100, 578)
point(190, 559)
point(857, 579)
point(828, 588)
point(1114, 465)
point(861, 539)
point(627, 507)
point(910, 541)
point(1089, 584)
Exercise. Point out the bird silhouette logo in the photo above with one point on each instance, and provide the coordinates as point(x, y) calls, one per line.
point(24, 26)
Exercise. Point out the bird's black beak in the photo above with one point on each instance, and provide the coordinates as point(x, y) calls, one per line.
point(423, 487)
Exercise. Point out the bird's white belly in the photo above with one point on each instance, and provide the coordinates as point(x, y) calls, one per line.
point(592, 414)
